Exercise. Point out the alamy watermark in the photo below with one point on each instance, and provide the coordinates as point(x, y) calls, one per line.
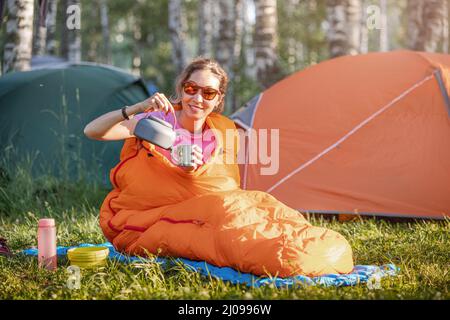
point(373, 17)
point(240, 146)
point(374, 281)
point(74, 278)
point(74, 17)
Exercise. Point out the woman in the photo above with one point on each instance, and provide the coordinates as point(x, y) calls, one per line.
point(200, 212)
point(201, 95)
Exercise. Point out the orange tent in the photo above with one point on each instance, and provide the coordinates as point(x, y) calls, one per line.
point(366, 134)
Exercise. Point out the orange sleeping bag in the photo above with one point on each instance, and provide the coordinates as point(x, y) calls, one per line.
point(158, 208)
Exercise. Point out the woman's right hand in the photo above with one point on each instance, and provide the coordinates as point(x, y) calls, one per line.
point(197, 159)
point(157, 102)
point(112, 126)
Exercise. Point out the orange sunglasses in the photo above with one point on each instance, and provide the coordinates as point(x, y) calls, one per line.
point(192, 88)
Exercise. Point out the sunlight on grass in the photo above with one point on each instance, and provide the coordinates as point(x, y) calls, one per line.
point(420, 248)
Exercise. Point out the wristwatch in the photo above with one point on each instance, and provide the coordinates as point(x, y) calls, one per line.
point(124, 114)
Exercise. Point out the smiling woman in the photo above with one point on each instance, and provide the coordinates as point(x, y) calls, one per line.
point(200, 212)
point(200, 90)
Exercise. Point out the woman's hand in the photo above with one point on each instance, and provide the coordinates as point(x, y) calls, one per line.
point(197, 159)
point(156, 102)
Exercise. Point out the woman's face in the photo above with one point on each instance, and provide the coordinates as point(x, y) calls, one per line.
point(195, 106)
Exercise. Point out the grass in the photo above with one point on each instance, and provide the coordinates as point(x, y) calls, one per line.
point(420, 248)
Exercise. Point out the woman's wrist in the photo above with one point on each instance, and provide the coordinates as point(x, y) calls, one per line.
point(135, 108)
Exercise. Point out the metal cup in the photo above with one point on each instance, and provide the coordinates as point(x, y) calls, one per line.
point(182, 154)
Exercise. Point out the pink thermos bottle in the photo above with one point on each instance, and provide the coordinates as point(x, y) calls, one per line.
point(47, 244)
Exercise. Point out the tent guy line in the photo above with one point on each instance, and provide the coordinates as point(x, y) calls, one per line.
point(350, 133)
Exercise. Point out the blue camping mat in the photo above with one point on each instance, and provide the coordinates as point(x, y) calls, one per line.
point(360, 273)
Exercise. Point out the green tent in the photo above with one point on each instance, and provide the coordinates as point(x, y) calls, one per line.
point(43, 113)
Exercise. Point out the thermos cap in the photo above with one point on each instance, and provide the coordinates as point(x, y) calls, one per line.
point(46, 223)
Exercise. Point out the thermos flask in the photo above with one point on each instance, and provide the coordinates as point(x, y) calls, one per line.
point(47, 244)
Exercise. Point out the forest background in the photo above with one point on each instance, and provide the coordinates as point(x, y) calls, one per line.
point(257, 41)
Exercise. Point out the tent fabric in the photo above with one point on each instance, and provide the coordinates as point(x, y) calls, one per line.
point(366, 134)
point(360, 274)
point(45, 110)
point(47, 61)
point(244, 116)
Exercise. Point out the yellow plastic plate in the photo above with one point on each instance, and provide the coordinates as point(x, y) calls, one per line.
point(85, 256)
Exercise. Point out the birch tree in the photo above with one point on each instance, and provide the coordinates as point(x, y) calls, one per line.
point(344, 33)
point(266, 42)
point(104, 20)
point(426, 21)
point(40, 38)
point(71, 30)
point(19, 36)
point(384, 37)
point(248, 9)
point(225, 40)
point(229, 43)
point(445, 31)
point(414, 14)
point(177, 29)
point(364, 41)
point(92, 49)
point(51, 27)
point(205, 27)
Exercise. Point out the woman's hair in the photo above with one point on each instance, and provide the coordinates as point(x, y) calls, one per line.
point(197, 64)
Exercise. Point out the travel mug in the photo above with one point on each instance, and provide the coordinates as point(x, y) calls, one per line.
point(182, 154)
point(47, 244)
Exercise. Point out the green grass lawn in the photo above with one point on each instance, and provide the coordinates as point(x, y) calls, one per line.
point(420, 248)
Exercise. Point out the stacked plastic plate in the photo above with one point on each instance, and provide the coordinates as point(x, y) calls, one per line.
point(88, 257)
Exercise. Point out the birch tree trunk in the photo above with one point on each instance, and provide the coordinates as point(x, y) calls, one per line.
point(104, 19)
point(238, 31)
point(445, 39)
point(384, 38)
point(364, 42)
point(64, 47)
point(51, 27)
point(177, 29)
point(229, 44)
point(205, 27)
point(93, 46)
point(73, 30)
point(425, 24)
point(353, 25)
point(19, 36)
point(225, 41)
point(344, 19)
point(247, 39)
point(434, 13)
point(237, 48)
point(266, 42)
point(414, 13)
point(40, 38)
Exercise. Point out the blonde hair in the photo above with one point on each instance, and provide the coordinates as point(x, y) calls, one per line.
point(201, 63)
